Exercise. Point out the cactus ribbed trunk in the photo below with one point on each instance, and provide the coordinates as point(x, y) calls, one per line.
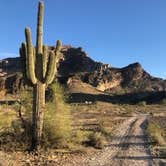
point(41, 68)
point(38, 114)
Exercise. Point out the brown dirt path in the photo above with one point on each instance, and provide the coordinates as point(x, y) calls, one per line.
point(128, 147)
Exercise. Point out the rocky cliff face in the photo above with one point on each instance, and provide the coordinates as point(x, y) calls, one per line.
point(76, 65)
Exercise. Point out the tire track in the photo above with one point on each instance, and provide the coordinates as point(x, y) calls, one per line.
point(128, 147)
point(108, 153)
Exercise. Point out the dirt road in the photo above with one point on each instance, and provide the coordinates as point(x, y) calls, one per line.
point(128, 147)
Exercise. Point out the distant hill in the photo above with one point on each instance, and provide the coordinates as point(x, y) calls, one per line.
point(83, 75)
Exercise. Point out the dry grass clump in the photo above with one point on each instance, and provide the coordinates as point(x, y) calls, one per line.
point(79, 137)
point(89, 138)
point(6, 118)
point(155, 133)
point(97, 140)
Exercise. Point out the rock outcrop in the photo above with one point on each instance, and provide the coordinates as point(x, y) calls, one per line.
point(76, 65)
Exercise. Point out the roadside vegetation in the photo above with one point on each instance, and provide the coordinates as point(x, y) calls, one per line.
point(77, 127)
point(156, 132)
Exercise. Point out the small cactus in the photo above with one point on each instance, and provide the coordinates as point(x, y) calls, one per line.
point(40, 69)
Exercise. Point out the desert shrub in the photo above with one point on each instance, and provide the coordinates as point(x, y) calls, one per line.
point(142, 103)
point(96, 139)
point(155, 133)
point(57, 120)
point(15, 124)
point(6, 120)
point(11, 131)
point(80, 137)
point(24, 109)
point(103, 127)
point(26, 100)
point(163, 101)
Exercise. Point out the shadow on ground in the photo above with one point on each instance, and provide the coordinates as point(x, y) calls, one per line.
point(130, 98)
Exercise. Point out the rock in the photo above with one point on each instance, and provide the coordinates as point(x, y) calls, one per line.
point(76, 66)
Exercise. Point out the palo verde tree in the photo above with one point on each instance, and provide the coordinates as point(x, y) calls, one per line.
point(41, 68)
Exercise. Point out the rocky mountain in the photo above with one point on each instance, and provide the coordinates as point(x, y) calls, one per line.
point(77, 68)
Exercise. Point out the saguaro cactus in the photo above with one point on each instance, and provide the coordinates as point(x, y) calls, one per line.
point(40, 69)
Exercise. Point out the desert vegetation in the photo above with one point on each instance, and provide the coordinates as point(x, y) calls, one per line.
point(156, 132)
point(76, 127)
point(84, 113)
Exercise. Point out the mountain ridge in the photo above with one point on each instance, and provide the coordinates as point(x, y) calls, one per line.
point(77, 65)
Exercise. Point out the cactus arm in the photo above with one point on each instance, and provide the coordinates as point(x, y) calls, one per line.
point(23, 60)
point(23, 55)
point(39, 40)
point(52, 63)
point(20, 52)
point(51, 68)
point(44, 60)
point(30, 57)
point(58, 47)
point(34, 55)
point(23, 50)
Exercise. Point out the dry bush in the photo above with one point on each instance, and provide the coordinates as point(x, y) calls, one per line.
point(6, 120)
point(97, 140)
point(105, 126)
point(155, 133)
point(11, 132)
point(57, 120)
point(15, 126)
point(80, 137)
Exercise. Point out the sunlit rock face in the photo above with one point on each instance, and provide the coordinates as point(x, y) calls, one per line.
point(77, 66)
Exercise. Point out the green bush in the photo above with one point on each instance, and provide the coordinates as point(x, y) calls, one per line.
point(57, 121)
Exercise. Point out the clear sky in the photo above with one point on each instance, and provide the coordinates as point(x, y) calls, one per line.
point(118, 32)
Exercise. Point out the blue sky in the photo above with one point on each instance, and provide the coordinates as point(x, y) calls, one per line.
point(117, 32)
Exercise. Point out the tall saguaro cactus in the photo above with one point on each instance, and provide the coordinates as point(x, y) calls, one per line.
point(40, 69)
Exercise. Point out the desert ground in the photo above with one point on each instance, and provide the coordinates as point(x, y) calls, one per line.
point(124, 126)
